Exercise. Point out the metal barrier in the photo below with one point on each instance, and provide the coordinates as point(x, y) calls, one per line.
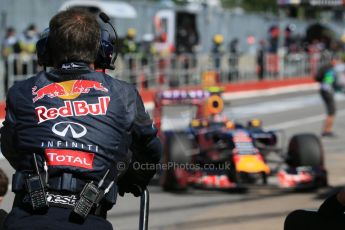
point(148, 71)
point(187, 70)
point(19, 67)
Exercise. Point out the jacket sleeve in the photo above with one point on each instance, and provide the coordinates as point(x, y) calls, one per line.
point(8, 131)
point(331, 207)
point(146, 146)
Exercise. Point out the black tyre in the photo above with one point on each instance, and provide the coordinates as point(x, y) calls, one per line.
point(305, 150)
point(178, 150)
point(181, 147)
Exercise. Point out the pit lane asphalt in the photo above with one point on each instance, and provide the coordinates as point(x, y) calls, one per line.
point(257, 208)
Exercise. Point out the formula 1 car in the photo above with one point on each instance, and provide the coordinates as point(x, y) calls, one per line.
point(215, 152)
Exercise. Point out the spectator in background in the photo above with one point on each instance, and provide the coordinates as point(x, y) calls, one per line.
point(292, 40)
point(129, 43)
point(274, 34)
point(315, 48)
point(272, 56)
point(3, 191)
point(217, 50)
point(233, 59)
point(297, 44)
point(27, 43)
point(327, 76)
point(289, 41)
point(10, 43)
point(187, 40)
point(28, 40)
point(162, 49)
point(260, 59)
point(130, 48)
point(233, 46)
point(186, 43)
point(187, 37)
point(9, 46)
point(147, 51)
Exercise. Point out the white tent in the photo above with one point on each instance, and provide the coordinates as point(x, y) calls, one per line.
point(113, 9)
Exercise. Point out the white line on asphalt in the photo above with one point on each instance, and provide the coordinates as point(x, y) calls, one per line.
point(273, 106)
point(276, 106)
point(270, 92)
point(302, 121)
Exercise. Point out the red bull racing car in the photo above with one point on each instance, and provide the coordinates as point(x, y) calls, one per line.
point(212, 151)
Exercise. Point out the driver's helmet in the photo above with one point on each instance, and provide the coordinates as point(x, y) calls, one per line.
point(218, 119)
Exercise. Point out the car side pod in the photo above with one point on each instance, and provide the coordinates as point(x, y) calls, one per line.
point(144, 210)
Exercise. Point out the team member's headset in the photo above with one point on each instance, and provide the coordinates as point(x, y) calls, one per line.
point(107, 52)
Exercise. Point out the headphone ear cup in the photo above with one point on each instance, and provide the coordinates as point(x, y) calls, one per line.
point(115, 44)
point(106, 54)
point(42, 50)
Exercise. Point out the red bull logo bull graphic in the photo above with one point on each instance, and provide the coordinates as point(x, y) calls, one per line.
point(73, 108)
point(67, 89)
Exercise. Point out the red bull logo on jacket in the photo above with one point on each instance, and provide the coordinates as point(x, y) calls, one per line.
point(67, 89)
point(73, 108)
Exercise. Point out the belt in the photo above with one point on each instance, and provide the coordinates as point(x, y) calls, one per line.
point(65, 182)
point(58, 200)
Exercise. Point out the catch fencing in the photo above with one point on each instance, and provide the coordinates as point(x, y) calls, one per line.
point(152, 72)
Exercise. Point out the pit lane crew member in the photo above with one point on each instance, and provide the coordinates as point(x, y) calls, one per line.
point(68, 132)
point(329, 84)
point(329, 216)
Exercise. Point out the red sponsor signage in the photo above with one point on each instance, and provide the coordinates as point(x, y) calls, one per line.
point(73, 108)
point(67, 157)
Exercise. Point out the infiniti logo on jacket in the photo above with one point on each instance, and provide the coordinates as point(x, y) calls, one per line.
point(69, 128)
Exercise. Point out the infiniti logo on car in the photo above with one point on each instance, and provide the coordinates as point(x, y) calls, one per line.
point(65, 127)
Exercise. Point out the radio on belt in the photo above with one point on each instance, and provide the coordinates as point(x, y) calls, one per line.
point(35, 188)
point(90, 197)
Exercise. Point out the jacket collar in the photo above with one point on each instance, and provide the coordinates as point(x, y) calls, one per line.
point(69, 71)
point(74, 65)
